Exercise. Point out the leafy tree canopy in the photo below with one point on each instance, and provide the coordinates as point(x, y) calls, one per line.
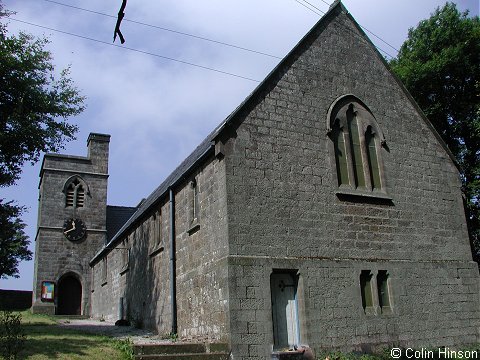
point(13, 241)
point(439, 64)
point(35, 104)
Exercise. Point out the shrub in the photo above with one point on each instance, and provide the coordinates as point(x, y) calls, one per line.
point(11, 335)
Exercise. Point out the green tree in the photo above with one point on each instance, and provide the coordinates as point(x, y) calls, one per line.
point(12, 336)
point(439, 64)
point(35, 104)
point(13, 241)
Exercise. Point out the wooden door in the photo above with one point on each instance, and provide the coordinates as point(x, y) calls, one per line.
point(69, 296)
point(286, 332)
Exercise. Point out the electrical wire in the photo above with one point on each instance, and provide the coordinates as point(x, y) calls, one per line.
point(326, 3)
point(305, 6)
point(330, 71)
point(310, 7)
point(323, 13)
point(167, 29)
point(186, 34)
point(364, 28)
point(136, 50)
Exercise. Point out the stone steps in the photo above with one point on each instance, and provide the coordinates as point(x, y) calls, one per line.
point(181, 351)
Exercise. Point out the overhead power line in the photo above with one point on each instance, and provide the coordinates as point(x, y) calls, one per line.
point(136, 50)
point(308, 5)
point(363, 27)
point(309, 8)
point(167, 29)
point(377, 84)
point(325, 2)
point(173, 59)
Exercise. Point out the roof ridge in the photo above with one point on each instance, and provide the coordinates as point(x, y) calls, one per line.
point(121, 206)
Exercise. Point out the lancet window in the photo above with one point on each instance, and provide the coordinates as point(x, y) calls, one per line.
point(75, 193)
point(357, 142)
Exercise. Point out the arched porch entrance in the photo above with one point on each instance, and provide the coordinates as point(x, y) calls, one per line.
point(69, 295)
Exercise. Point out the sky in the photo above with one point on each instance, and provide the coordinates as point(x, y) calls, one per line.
point(158, 110)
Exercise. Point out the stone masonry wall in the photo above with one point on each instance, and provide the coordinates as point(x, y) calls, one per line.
point(56, 256)
point(284, 212)
point(201, 249)
point(202, 277)
point(147, 280)
point(140, 278)
point(331, 312)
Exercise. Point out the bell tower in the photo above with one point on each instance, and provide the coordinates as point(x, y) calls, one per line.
point(71, 227)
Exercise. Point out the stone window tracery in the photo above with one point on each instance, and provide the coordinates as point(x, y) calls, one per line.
point(75, 190)
point(357, 146)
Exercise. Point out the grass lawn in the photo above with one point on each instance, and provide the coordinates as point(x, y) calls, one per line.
point(46, 340)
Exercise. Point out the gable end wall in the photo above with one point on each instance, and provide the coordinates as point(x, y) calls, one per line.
point(283, 211)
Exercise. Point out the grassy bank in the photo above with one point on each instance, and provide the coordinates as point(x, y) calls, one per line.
point(46, 340)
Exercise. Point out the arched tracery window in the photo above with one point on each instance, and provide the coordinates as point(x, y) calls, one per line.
point(75, 190)
point(357, 142)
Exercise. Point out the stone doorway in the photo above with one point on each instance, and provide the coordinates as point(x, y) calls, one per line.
point(286, 325)
point(69, 296)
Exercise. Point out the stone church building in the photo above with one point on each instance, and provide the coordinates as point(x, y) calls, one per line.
point(325, 210)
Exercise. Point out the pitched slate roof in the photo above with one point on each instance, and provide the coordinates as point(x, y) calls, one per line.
point(179, 174)
point(117, 216)
point(206, 147)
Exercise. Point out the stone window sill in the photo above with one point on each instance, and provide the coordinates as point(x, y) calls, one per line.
point(374, 311)
point(156, 250)
point(194, 227)
point(386, 310)
point(370, 311)
point(360, 195)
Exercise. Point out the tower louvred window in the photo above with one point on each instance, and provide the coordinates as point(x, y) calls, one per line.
point(75, 194)
point(80, 196)
point(70, 195)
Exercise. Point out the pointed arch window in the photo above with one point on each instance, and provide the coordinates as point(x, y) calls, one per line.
point(75, 193)
point(340, 153)
point(357, 146)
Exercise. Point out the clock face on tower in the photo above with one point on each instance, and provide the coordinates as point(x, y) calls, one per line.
point(74, 229)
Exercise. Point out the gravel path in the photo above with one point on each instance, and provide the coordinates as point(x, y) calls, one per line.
point(138, 336)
